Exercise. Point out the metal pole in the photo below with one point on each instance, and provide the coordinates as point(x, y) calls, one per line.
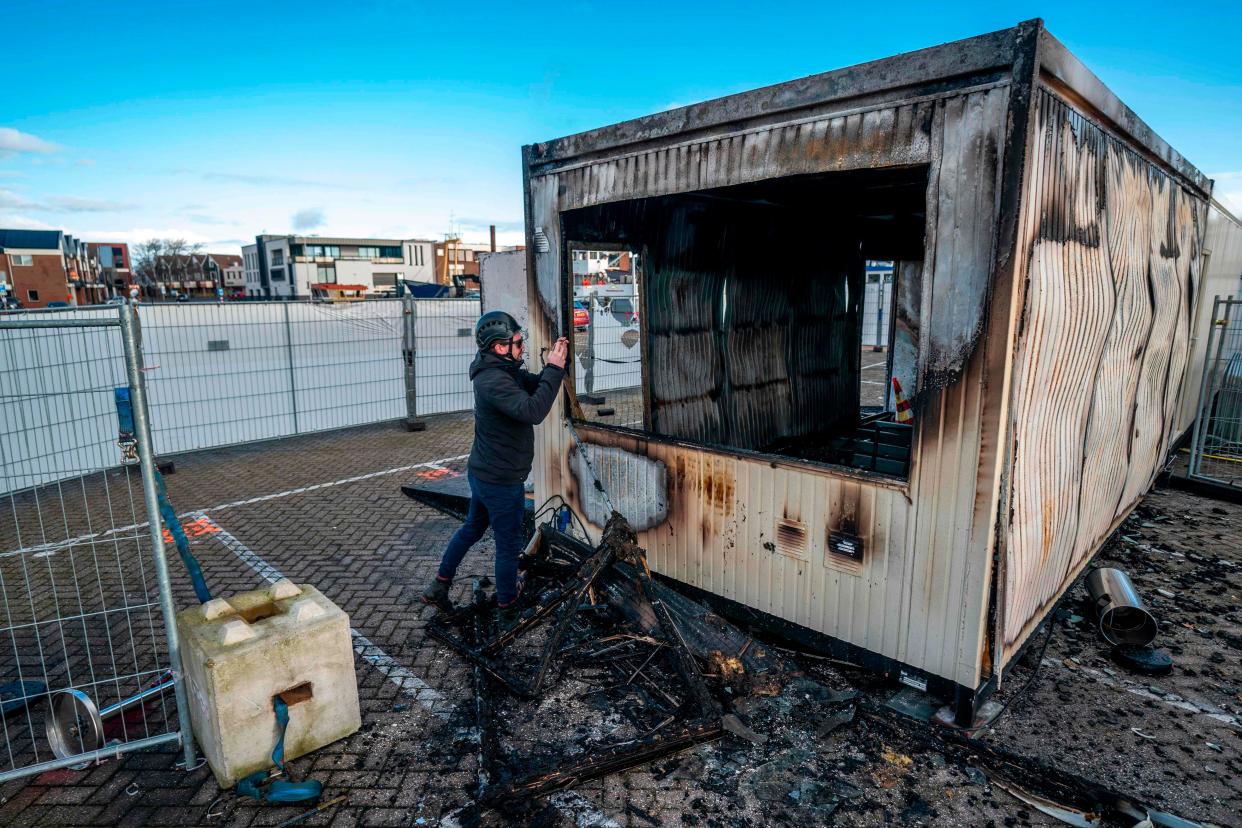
point(409, 359)
point(112, 751)
point(1193, 466)
point(293, 388)
point(879, 314)
point(588, 358)
point(146, 458)
point(57, 323)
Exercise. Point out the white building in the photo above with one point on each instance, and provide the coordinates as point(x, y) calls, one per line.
point(287, 266)
point(250, 263)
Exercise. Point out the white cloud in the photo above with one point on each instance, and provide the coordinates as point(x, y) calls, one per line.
point(61, 204)
point(13, 201)
point(13, 141)
point(308, 219)
point(20, 222)
point(260, 180)
point(203, 218)
point(76, 204)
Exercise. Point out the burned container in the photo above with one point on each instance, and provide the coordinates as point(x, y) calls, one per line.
point(1046, 251)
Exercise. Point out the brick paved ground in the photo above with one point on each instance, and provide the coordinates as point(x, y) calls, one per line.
point(370, 549)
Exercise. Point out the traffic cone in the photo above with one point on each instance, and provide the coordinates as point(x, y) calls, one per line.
point(904, 414)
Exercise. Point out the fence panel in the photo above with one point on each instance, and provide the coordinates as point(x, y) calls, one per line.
point(82, 586)
point(49, 381)
point(877, 307)
point(231, 373)
point(608, 370)
point(444, 349)
point(346, 363)
point(1216, 449)
point(218, 373)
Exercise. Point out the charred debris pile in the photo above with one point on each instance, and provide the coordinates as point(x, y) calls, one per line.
point(608, 669)
point(605, 670)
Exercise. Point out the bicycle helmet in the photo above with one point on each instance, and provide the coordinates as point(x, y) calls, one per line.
point(492, 327)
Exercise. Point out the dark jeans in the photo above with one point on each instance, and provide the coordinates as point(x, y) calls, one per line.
point(502, 506)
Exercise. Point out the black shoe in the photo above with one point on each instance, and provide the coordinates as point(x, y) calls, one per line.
point(437, 595)
point(507, 617)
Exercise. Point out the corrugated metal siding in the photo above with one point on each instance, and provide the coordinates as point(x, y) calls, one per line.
point(754, 529)
point(883, 136)
point(1112, 251)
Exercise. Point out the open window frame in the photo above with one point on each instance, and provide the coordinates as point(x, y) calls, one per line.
point(868, 234)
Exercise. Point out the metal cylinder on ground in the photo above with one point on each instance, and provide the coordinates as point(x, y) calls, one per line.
point(1123, 618)
point(75, 726)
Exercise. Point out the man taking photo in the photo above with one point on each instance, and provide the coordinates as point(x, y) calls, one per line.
point(508, 402)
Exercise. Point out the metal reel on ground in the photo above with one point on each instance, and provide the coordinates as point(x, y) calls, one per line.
point(74, 725)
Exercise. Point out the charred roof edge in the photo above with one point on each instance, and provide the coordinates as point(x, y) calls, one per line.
point(1070, 76)
point(961, 58)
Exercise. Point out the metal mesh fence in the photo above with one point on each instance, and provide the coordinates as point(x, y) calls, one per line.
point(80, 609)
point(444, 348)
point(235, 373)
point(1216, 450)
point(80, 614)
point(608, 373)
point(224, 374)
point(877, 307)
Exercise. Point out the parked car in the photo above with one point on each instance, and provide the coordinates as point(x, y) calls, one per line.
point(58, 304)
point(581, 317)
point(624, 311)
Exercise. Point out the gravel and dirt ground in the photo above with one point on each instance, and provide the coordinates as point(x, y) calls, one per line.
point(327, 509)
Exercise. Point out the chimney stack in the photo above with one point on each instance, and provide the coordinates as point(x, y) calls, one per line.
point(492, 228)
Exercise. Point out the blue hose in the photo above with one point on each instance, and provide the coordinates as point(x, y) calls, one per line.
point(126, 436)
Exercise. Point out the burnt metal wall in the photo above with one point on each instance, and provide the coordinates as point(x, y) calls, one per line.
point(747, 345)
point(1053, 327)
point(1112, 246)
point(755, 528)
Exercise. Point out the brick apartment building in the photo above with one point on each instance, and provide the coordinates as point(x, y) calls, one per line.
point(454, 257)
point(42, 266)
point(457, 258)
point(115, 270)
point(228, 271)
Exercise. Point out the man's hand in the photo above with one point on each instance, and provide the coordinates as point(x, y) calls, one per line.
point(559, 352)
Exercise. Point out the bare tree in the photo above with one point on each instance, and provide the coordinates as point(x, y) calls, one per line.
point(146, 256)
point(159, 261)
point(175, 259)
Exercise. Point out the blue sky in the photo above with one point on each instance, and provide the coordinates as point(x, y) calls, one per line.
point(217, 121)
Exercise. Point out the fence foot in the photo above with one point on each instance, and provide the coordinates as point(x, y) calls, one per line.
point(415, 425)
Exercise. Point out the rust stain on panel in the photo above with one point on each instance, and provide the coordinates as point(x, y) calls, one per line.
point(693, 475)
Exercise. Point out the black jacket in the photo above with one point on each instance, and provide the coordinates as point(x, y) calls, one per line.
point(508, 402)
